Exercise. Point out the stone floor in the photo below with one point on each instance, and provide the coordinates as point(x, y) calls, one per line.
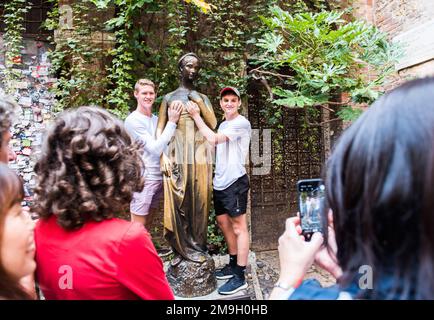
point(267, 270)
point(261, 274)
point(220, 261)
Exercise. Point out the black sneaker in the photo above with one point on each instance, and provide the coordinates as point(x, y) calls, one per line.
point(235, 284)
point(224, 273)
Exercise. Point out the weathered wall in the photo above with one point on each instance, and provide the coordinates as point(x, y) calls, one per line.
point(36, 107)
point(397, 17)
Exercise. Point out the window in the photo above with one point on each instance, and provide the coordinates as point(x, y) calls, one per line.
point(34, 18)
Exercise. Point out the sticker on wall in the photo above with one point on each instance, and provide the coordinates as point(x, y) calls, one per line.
point(25, 101)
point(27, 151)
point(36, 102)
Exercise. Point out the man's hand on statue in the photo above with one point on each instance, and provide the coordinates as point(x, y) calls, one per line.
point(175, 110)
point(195, 97)
point(193, 109)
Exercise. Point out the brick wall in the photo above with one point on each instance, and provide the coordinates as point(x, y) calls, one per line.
point(395, 17)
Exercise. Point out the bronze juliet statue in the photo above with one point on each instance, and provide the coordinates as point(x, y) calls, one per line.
point(187, 172)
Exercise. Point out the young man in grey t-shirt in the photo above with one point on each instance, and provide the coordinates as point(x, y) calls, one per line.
point(231, 184)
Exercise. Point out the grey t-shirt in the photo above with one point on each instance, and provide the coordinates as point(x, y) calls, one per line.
point(231, 155)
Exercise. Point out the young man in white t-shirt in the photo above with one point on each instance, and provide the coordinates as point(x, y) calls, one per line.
point(231, 184)
point(141, 124)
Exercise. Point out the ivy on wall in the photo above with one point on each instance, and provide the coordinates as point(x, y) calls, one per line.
point(14, 14)
point(128, 50)
point(78, 55)
point(217, 32)
point(149, 36)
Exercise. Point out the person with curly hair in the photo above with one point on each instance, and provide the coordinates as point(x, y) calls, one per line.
point(87, 174)
point(7, 109)
point(17, 248)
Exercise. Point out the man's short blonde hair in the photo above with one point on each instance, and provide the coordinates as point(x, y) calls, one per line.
point(143, 82)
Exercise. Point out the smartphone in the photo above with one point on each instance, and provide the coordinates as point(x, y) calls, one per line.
point(311, 201)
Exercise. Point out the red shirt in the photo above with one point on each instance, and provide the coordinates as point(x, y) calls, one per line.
point(112, 259)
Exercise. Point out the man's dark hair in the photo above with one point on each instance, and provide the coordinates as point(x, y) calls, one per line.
point(379, 186)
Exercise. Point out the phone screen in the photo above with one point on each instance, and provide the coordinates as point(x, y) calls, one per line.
point(311, 202)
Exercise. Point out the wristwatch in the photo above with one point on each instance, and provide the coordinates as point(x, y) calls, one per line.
point(287, 290)
point(280, 285)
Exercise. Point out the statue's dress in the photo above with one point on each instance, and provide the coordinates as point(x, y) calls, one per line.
point(187, 191)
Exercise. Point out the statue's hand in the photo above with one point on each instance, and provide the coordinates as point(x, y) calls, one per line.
point(165, 165)
point(195, 97)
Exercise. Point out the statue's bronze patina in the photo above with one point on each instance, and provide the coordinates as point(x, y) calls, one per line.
point(187, 169)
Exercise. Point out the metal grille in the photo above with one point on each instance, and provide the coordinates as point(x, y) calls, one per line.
point(296, 153)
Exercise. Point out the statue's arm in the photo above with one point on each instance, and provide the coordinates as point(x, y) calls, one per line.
point(165, 166)
point(207, 112)
point(162, 117)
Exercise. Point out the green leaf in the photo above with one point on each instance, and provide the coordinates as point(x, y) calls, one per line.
point(270, 42)
point(348, 113)
point(101, 4)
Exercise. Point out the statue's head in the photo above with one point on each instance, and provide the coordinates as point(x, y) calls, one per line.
point(189, 66)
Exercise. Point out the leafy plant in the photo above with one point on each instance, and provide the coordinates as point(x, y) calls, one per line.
point(13, 16)
point(77, 57)
point(127, 47)
point(149, 37)
point(318, 56)
point(216, 240)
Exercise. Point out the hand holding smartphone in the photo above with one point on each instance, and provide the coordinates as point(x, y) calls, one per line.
point(311, 200)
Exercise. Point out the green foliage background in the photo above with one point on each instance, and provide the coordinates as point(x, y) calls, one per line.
point(14, 12)
point(307, 53)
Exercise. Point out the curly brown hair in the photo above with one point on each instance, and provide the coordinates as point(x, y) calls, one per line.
point(88, 170)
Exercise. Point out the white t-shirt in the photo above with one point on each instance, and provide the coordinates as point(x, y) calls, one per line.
point(143, 128)
point(231, 155)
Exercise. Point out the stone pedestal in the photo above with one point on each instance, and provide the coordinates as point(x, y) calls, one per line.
point(190, 279)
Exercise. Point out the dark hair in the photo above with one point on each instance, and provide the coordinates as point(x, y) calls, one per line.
point(11, 193)
point(88, 170)
point(7, 108)
point(380, 182)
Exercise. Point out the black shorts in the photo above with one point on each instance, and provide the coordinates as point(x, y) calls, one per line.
point(233, 199)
